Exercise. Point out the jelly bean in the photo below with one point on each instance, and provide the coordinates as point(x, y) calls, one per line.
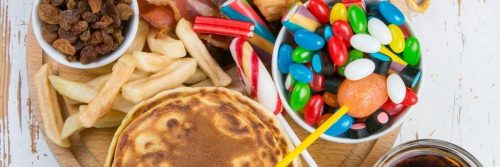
point(285, 58)
point(363, 97)
point(313, 110)
point(405, 31)
point(348, 3)
point(353, 55)
point(398, 39)
point(373, 12)
point(301, 55)
point(359, 69)
point(330, 99)
point(301, 73)
point(320, 10)
point(396, 88)
point(411, 54)
point(342, 29)
point(338, 12)
point(289, 82)
point(365, 43)
point(379, 31)
point(411, 98)
point(300, 96)
point(380, 56)
point(322, 64)
point(317, 83)
point(342, 125)
point(337, 50)
point(325, 31)
point(393, 109)
point(323, 118)
point(308, 40)
point(357, 19)
point(391, 13)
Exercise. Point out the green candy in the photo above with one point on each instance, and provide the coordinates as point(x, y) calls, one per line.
point(357, 19)
point(353, 55)
point(411, 54)
point(300, 96)
point(301, 55)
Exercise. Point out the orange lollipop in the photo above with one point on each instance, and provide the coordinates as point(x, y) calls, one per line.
point(363, 96)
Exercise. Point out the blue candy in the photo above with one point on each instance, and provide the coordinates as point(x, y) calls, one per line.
point(308, 40)
point(391, 13)
point(345, 122)
point(285, 58)
point(301, 73)
point(380, 56)
point(328, 32)
point(316, 63)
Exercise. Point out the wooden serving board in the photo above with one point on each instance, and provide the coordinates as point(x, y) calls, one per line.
point(90, 146)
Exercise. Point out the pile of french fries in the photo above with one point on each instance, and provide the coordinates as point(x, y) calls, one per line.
point(153, 63)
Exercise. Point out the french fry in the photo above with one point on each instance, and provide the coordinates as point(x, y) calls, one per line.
point(170, 77)
point(85, 93)
point(103, 101)
point(70, 101)
point(99, 81)
point(198, 51)
point(166, 45)
point(49, 108)
point(72, 124)
point(150, 62)
point(140, 37)
point(198, 76)
point(204, 83)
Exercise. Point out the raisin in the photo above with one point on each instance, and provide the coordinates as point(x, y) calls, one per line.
point(95, 5)
point(84, 36)
point(109, 9)
point(117, 36)
point(56, 2)
point(124, 11)
point(66, 35)
point(88, 55)
point(125, 1)
point(49, 36)
point(45, 1)
point(79, 45)
point(106, 46)
point(64, 46)
point(90, 17)
point(108, 30)
point(49, 14)
point(95, 38)
point(50, 27)
point(79, 27)
point(72, 58)
point(68, 17)
point(84, 6)
point(71, 4)
point(104, 22)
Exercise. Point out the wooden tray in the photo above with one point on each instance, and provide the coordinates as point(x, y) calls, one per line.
point(90, 146)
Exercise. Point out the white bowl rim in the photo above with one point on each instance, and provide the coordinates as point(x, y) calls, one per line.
point(61, 58)
point(278, 81)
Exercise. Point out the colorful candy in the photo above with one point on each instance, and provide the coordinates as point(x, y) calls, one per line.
point(398, 39)
point(300, 18)
point(213, 25)
point(300, 96)
point(342, 125)
point(396, 88)
point(332, 84)
point(285, 58)
point(358, 131)
point(391, 13)
point(365, 43)
point(381, 66)
point(330, 99)
point(322, 64)
point(392, 109)
point(338, 12)
point(308, 40)
point(411, 98)
point(342, 29)
point(301, 55)
point(313, 110)
point(411, 54)
point(359, 69)
point(317, 83)
point(379, 31)
point(325, 31)
point(363, 96)
point(301, 73)
point(377, 121)
point(357, 19)
point(353, 55)
point(289, 82)
point(348, 3)
point(320, 10)
point(337, 50)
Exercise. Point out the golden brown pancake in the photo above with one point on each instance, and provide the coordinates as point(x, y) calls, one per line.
point(198, 127)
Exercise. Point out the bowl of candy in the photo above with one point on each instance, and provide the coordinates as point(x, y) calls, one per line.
point(85, 34)
point(362, 57)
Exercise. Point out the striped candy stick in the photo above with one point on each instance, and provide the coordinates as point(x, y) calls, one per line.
point(298, 18)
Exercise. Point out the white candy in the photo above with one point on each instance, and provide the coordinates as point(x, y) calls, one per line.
point(379, 31)
point(365, 43)
point(288, 82)
point(396, 88)
point(359, 69)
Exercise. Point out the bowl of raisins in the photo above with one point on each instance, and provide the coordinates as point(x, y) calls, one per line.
point(85, 33)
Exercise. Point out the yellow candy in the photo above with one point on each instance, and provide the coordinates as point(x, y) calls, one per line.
point(398, 39)
point(339, 12)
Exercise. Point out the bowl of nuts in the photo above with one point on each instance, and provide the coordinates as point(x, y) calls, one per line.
point(85, 33)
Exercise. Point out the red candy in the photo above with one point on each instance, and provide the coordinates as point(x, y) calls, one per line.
point(405, 31)
point(411, 98)
point(393, 109)
point(342, 29)
point(320, 10)
point(313, 110)
point(360, 3)
point(337, 50)
point(317, 82)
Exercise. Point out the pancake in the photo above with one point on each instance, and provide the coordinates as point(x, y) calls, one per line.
point(198, 127)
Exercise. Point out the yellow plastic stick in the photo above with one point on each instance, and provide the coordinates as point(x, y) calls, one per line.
point(313, 137)
point(394, 57)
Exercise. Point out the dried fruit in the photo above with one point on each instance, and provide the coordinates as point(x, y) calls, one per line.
point(48, 13)
point(95, 5)
point(104, 22)
point(95, 38)
point(106, 46)
point(90, 17)
point(49, 36)
point(88, 55)
point(79, 45)
point(110, 10)
point(66, 35)
point(125, 11)
point(50, 27)
point(64, 46)
point(84, 6)
point(79, 27)
point(56, 2)
point(68, 17)
point(84, 36)
point(71, 4)
point(117, 36)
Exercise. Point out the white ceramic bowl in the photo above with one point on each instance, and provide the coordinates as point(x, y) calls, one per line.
point(129, 33)
point(285, 37)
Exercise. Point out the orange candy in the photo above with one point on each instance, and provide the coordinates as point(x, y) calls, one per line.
point(323, 118)
point(330, 99)
point(364, 96)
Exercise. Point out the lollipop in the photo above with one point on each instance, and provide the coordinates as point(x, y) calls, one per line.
point(363, 96)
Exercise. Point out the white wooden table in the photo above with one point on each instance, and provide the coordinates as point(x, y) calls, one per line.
point(460, 101)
